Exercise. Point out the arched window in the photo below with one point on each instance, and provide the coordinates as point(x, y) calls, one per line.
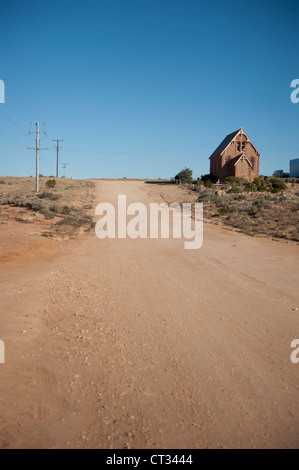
point(252, 162)
point(228, 162)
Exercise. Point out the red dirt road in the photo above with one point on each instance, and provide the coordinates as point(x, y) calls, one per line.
point(142, 344)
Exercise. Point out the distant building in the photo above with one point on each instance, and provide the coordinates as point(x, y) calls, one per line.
point(281, 174)
point(294, 168)
point(235, 156)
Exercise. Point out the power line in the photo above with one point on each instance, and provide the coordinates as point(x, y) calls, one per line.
point(155, 151)
point(17, 127)
point(7, 87)
point(16, 143)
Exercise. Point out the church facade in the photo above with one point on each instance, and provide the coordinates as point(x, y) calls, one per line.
point(235, 156)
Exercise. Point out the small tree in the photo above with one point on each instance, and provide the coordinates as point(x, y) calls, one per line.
point(185, 176)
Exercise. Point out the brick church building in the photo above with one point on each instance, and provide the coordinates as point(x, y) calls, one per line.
point(235, 156)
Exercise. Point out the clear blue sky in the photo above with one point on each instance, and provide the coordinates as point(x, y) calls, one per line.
point(143, 88)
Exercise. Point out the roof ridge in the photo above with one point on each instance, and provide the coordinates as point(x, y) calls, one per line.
point(226, 141)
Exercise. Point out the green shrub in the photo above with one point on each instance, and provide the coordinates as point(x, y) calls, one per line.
point(52, 196)
point(51, 183)
point(261, 203)
point(236, 189)
point(249, 186)
point(208, 197)
point(277, 185)
point(238, 197)
point(235, 180)
point(208, 183)
point(66, 210)
point(55, 208)
point(230, 179)
point(258, 182)
point(241, 181)
point(76, 222)
point(224, 208)
point(37, 206)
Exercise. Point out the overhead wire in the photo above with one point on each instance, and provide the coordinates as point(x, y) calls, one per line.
point(16, 126)
point(11, 140)
point(7, 87)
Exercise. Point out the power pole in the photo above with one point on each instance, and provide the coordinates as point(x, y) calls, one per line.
point(37, 149)
point(72, 172)
point(64, 167)
point(57, 148)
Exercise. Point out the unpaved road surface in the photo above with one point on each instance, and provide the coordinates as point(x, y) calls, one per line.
point(142, 344)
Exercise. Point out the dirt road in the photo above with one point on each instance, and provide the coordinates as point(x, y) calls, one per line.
point(142, 344)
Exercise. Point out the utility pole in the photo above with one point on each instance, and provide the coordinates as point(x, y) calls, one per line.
point(37, 149)
point(57, 148)
point(72, 172)
point(64, 167)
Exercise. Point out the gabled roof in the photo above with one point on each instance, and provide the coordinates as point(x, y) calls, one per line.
point(238, 157)
point(228, 139)
point(225, 143)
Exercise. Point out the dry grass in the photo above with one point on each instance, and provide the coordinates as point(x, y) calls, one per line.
point(68, 206)
point(255, 213)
